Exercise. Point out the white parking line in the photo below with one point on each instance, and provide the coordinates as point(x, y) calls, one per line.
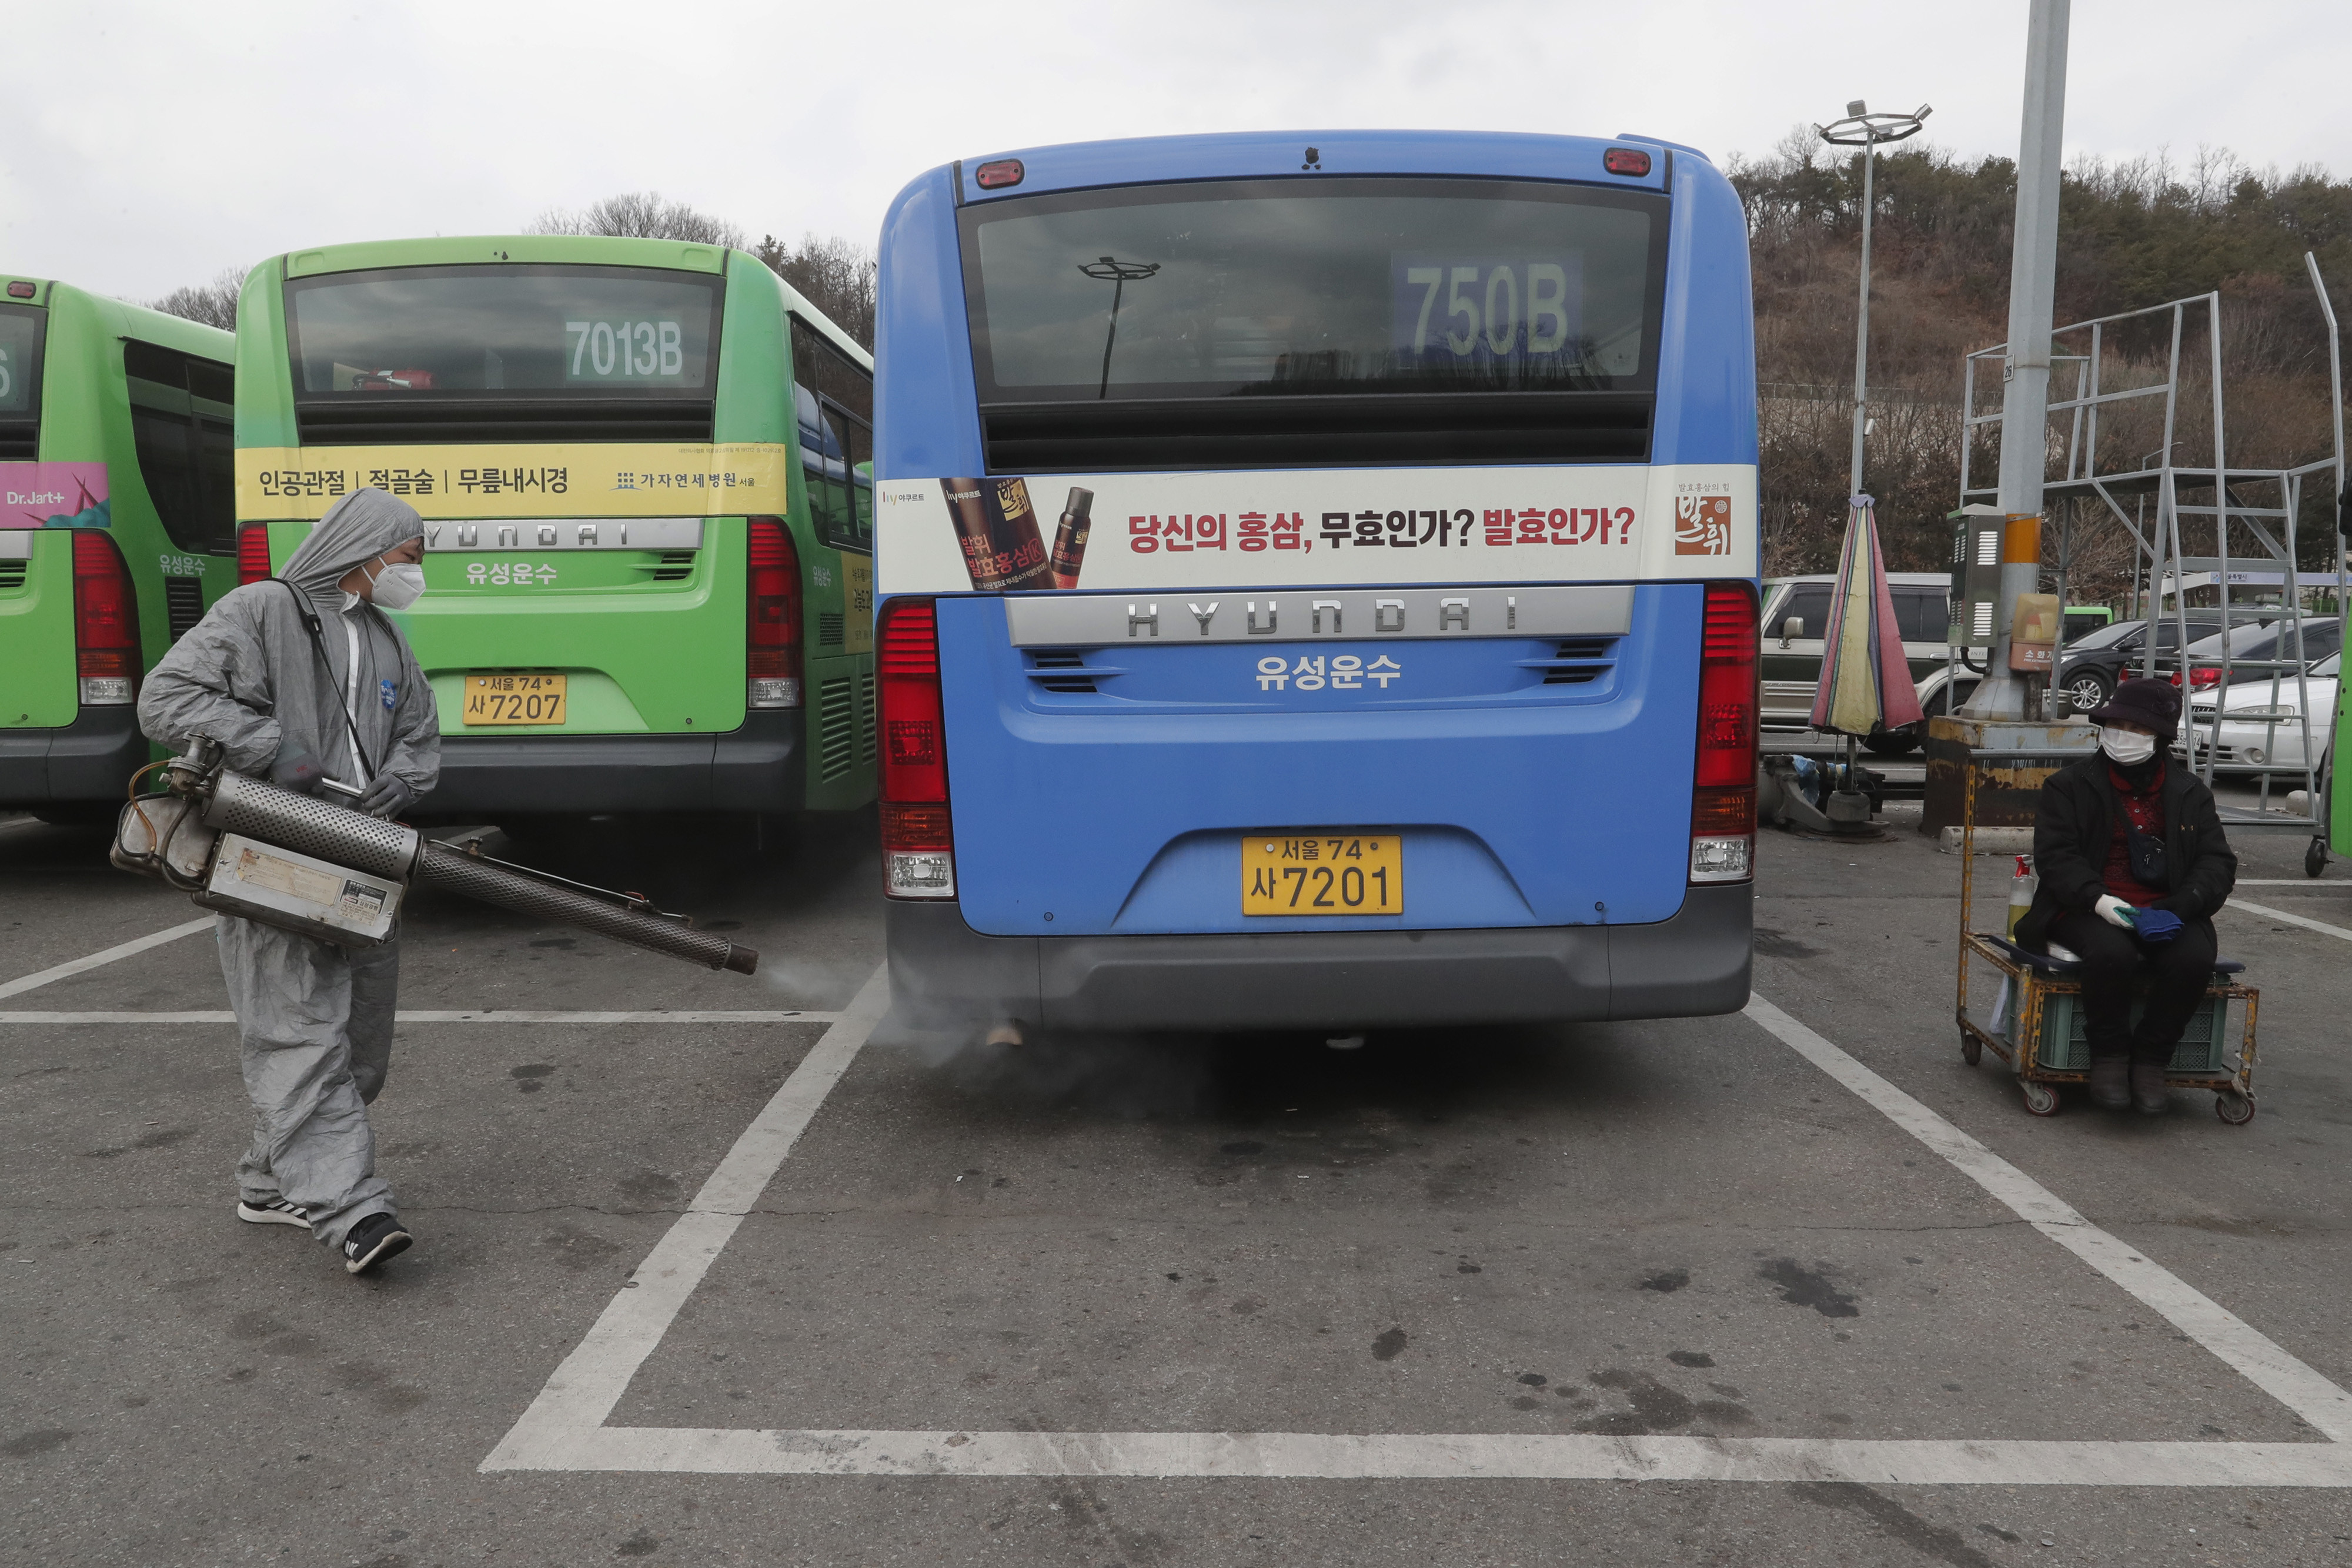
point(68, 970)
point(563, 1428)
point(2286, 1379)
point(576, 1401)
point(2266, 912)
point(1444, 1456)
point(516, 1015)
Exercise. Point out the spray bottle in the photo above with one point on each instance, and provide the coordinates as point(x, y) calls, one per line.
point(2021, 888)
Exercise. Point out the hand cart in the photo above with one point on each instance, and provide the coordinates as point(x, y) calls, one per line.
point(2036, 1022)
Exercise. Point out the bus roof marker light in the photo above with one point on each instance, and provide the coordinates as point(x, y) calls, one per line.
point(20, 291)
point(1628, 161)
point(1000, 175)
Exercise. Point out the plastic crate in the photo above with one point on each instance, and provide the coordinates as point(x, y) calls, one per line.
point(2204, 1042)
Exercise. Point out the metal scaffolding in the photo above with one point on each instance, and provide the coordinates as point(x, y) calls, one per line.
point(2253, 514)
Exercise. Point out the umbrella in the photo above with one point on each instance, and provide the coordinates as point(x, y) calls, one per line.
point(1865, 681)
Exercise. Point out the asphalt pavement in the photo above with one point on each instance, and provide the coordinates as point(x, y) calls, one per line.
point(705, 1274)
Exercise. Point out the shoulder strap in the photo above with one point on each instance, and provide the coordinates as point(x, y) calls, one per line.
point(310, 623)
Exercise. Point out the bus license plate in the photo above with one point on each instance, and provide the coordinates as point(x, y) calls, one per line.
point(515, 698)
point(1328, 873)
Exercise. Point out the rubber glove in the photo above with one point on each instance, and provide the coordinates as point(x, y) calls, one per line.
point(387, 797)
point(2157, 925)
point(2114, 911)
point(296, 769)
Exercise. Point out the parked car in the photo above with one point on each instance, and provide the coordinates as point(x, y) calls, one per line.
point(2253, 647)
point(2089, 669)
point(2262, 721)
point(1796, 616)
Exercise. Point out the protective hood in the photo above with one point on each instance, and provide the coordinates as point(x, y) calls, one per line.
point(357, 528)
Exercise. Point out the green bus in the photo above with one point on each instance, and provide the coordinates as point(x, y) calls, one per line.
point(117, 529)
point(2333, 816)
point(645, 471)
point(2082, 619)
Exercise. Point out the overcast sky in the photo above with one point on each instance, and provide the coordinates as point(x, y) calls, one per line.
point(144, 146)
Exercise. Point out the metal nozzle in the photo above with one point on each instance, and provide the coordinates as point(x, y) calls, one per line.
point(487, 880)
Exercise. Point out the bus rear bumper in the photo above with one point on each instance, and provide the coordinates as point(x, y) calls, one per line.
point(946, 978)
point(758, 768)
point(92, 759)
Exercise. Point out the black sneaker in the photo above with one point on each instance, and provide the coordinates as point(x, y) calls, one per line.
point(371, 1240)
point(276, 1211)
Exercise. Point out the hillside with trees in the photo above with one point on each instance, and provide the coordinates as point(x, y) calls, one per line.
point(835, 274)
point(2131, 234)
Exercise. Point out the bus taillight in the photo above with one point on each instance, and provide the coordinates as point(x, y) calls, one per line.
point(1723, 797)
point(773, 655)
point(106, 623)
point(252, 553)
point(918, 838)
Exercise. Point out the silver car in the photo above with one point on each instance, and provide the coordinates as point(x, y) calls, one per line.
point(1797, 616)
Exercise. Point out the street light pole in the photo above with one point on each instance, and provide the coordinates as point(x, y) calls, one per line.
point(1862, 322)
point(2025, 391)
point(1860, 127)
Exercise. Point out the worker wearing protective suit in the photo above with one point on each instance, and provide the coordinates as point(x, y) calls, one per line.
point(349, 703)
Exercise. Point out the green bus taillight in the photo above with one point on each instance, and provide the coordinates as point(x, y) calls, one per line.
point(773, 658)
point(106, 623)
point(252, 553)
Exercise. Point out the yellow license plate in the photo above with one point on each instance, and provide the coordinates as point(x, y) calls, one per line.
point(1327, 874)
point(517, 698)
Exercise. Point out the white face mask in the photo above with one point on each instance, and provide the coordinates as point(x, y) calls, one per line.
point(398, 587)
point(2126, 746)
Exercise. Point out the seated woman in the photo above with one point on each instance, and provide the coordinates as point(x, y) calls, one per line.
point(2133, 862)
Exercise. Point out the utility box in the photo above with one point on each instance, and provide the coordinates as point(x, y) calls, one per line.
point(1975, 574)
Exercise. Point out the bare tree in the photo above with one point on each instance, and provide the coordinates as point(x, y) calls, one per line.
point(213, 303)
point(835, 274)
point(640, 214)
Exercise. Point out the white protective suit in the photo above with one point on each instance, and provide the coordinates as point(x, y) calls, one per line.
point(315, 1018)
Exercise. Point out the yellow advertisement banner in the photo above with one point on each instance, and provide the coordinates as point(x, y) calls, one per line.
point(569, 480)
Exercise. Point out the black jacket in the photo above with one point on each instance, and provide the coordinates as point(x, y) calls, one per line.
point(2074, 825)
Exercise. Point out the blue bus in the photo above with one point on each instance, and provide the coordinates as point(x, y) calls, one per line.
point(1316, 584)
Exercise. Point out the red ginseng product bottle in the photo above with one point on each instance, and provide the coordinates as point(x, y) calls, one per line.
point(1070, 537)
point(997, 529)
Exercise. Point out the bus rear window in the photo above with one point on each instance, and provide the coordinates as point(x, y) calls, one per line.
point(528, 331)
point(21, 331)
point(1319, 287)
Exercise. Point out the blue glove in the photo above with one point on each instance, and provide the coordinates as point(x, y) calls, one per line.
point(2157, 924)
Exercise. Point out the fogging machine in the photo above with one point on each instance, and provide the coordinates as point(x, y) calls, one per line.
point(308, 865)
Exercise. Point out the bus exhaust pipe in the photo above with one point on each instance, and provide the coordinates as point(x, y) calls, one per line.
point(248, 848)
